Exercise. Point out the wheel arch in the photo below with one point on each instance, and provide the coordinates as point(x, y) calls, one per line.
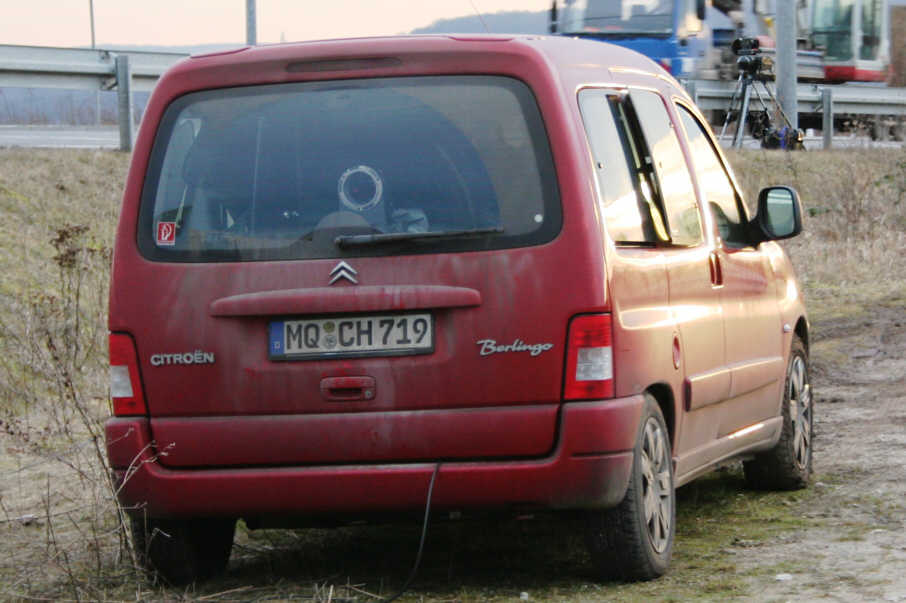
point(801, 331)
point(663, 395)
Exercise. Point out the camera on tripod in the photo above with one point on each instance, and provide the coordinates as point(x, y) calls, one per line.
point(749, 59)
point(755, 73)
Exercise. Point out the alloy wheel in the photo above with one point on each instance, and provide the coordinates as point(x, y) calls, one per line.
point(800, 397)
point(657, 490)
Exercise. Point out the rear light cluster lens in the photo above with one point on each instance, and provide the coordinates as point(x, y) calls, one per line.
point(589, 358)
point(125, 384)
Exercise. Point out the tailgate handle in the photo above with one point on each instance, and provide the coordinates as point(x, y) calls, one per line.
point(332, 300)
point(348, 389)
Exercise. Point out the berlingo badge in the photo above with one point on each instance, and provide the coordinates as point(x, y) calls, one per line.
point(489, 346)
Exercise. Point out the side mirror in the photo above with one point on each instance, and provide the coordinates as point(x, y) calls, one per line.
point(553, 24)
point(779, 213)
point(700, 9)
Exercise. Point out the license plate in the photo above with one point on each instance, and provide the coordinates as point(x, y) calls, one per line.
point(377, 335)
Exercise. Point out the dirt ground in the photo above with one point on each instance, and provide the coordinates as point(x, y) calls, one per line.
point(857, 549)
point(852, 547)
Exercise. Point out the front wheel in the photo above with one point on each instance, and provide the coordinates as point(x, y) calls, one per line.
point(634, 540)
point(788, 465)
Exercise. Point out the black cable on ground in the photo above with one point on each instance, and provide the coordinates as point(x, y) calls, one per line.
point(421, 544)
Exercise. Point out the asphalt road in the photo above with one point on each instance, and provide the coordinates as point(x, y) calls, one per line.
point(60, 137)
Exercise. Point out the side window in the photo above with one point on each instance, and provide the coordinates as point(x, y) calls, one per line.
point(681, 207)
point(719, 194)
point(644, 178)
point(693, 25)
point(626, 197)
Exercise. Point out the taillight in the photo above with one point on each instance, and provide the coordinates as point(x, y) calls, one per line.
point(125, 384)
point(589, 358)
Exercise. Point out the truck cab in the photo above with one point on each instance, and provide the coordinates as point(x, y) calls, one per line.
point(671, 32)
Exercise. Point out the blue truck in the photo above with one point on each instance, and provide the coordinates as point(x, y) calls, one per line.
point(672, 32)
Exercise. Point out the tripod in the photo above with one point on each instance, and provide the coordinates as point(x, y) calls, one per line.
point(742, 97)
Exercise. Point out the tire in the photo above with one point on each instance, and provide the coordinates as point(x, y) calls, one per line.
point(788, 465)
point(634, 540)
point(180, 551)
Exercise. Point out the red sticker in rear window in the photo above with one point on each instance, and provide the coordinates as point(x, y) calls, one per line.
point(166, 233)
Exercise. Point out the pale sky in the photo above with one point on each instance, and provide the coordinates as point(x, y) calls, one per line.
point(188, 22)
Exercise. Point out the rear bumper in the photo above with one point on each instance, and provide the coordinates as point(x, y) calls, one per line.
point(589, 468)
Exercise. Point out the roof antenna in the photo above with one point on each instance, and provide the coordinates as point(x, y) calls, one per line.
point(480, 18)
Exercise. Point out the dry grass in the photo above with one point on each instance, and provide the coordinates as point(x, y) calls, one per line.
point(59, 535)
point(59, 527)
point(850, 251)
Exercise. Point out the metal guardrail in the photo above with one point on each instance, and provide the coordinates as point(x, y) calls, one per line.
point(854, 99)
point(826, 100)
point(79, 68)
point(87, 69)
point(97, 69)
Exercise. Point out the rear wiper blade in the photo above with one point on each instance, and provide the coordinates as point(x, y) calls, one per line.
point(393, 237)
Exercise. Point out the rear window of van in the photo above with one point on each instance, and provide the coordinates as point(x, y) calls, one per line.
point(349, 168)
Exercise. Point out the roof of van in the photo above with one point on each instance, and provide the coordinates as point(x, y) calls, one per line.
point(575, 61)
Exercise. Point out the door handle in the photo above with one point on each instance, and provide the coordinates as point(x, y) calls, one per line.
point(717, 276)
point(348, 389)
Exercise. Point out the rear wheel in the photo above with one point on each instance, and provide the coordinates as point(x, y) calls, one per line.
point(788, 465)
point(180, 551)
point(634, 540)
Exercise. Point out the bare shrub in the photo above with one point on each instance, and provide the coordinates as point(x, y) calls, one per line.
point(55, 369)
point(62, 531)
